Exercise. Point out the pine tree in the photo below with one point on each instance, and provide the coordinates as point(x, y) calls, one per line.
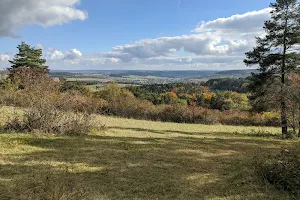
point(276, 53)
point(28, 68)
point(28, 57)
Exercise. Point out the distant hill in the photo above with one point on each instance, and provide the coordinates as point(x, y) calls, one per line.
point(236, 73)
point(165, 74)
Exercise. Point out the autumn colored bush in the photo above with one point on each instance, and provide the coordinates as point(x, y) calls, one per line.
point(117, 101)
point(121, 102)
point(48, 110)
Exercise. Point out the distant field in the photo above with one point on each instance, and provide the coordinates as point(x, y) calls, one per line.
point(88, 79)
point(94, 87)
point(136, 159)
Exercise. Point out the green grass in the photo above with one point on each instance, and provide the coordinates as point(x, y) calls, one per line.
point(136, 159)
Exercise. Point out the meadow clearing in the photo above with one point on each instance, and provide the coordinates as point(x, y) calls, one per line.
point(136, 159)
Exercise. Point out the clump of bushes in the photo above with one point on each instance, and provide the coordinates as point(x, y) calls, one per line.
point(49, 110)
point(282, 170)
point(184, 114)
point(248, 118)
point(121, 102)
point(58, 107)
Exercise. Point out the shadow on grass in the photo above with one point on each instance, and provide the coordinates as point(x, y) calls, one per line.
point(254, 133)
point(148, 168)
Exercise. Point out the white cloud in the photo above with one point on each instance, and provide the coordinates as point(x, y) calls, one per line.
point(4, 57)
point(182, 60)
point(239, 30)
point(56, 55)
point(217, 44)
point(242, 24)
point(172, 50)
point(199, 44)
point(227, 37)
point(4, 61)
point(45, 13)
point(72, 54)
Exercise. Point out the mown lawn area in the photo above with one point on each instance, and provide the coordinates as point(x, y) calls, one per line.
point(135, 159)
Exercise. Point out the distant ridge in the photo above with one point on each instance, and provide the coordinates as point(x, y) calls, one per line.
point(167, 74)
point(237, 73)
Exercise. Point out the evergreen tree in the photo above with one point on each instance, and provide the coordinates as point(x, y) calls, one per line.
point(28, 57)
point(27, 67)
point(275, 53)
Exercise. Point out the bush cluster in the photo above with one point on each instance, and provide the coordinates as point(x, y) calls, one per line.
point(121, 102)
point(57, 107)
point(49, 110)
point(191, 94)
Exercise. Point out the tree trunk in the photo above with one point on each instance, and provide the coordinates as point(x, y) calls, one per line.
point(299, 122)
point(299, 130)
point(284, 119)
point(294, 119)
point(283, 101)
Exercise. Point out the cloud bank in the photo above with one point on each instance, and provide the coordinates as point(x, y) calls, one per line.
point(216, 44)
point(45, 13)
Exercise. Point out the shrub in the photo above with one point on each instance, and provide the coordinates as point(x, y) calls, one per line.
point(74, 101)
point(26, 77)
point(67, 86)
point(247, 119)
point(51, 120)
point(272, 118)
point(47, 110)
point(282, 170)
point(121, 102)
point(48, 119)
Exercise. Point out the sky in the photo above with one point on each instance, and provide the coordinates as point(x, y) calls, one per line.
point(134, 34)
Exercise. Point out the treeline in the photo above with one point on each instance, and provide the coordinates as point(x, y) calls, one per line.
point(239, 85)
point(186, 103)
point(199, 95)
point(47, 99)
point(121, 102)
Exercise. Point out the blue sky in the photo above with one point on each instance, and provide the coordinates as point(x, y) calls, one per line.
point(134, 34)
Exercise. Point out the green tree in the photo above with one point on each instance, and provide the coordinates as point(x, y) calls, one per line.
point(29, 57)
point(27, 67)
point(275, 53)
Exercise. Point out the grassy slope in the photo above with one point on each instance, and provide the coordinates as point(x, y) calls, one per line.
point(133, 159)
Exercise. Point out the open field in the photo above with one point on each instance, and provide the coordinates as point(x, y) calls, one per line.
point(97, 86)
point(135, 159)
point(124, 79)
point(89, 79)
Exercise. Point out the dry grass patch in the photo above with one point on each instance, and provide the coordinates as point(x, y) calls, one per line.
point(135, 159)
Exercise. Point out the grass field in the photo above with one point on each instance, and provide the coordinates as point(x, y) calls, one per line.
point(94, 87)
point(135, 159)
point(89, 79)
